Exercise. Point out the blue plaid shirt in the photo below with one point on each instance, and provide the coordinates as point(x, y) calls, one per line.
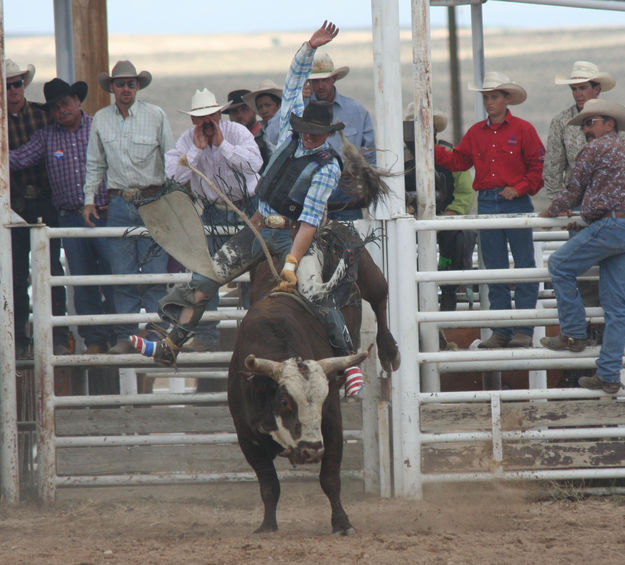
point(326, 178)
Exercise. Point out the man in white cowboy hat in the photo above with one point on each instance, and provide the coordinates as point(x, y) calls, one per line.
point(292, 198)
point(358, 128)
point(226, 153)
point(597, 182)
point(565, 141)
point(454, 195)
point(507, 155)
point(31, 199)
point(62, 146)
point(128, 142)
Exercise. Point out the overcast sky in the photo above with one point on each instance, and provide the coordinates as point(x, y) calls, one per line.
point(244, 16)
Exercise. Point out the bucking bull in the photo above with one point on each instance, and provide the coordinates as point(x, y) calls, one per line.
point(283, 385)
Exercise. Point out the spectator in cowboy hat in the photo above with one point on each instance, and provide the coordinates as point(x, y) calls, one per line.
point(226, 153)
point(597, 182)
point(31, 198)
point(128, 142)
point(358, 129)
point(239, 111)
point(62, 146)
point(586, 82)
point(508, 158)
point(266, 101)
point(564, 143)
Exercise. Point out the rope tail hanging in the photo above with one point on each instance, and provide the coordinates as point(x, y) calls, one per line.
point(185, 163)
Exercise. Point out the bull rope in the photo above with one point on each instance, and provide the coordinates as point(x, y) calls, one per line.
point(183, 161)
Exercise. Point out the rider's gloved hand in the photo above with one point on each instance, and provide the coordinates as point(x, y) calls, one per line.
point(288, 276)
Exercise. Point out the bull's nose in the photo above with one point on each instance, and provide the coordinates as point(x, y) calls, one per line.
point(311, 452)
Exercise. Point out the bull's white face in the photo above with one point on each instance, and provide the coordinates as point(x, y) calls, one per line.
point(303, 388)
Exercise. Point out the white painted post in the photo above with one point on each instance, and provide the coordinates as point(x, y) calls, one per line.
point(44, 369)
point(9, 468)
point(424, 171)
point(406, 429)
point(388, 103)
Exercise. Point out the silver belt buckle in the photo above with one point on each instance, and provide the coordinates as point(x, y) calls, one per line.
point(275, 221)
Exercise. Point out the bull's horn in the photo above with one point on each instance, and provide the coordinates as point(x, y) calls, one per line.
point(263, 366)
point(331, 364)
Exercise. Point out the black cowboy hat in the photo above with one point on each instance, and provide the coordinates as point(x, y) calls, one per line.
point(235, 97)
point(57, 89)
point(316, 119)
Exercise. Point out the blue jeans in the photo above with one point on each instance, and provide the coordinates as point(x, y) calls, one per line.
point(602, 243)
point(130, 255)
point(88, 256)
point(217, 217)
point(494, 246)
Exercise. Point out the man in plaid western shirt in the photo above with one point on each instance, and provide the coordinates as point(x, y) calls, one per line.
point(62, 147)
point(30, 198)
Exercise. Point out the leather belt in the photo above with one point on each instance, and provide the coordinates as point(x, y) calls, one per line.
point(275, 221)
point(130, 192)
point(614, 214)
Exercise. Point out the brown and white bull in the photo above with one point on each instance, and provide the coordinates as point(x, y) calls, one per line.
point(283, 394)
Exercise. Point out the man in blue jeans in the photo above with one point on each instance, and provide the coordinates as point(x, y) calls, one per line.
point(597, 180)
point(508, 158)
point(62, 146)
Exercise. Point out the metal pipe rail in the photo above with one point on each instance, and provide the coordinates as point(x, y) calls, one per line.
point(185, 478)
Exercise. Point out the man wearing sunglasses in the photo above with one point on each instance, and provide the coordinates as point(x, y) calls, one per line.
point(597, 182)
point(31, 199)
point(128, 142)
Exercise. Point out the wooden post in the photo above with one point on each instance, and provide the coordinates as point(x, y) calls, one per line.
point(91, 52)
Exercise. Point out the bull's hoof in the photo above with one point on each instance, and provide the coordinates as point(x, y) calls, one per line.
point(349, 531)
point(263, 529)
point(390, 365)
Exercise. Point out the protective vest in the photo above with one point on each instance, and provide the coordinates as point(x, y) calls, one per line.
point(286, 180)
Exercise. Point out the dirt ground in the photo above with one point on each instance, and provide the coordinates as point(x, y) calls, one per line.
point(213, 525)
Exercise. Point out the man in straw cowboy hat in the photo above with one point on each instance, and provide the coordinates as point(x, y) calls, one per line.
point(31, 199)
point(62, 146)
point(292, 198)
point(564, 143)
point(508, 158)
point(597, 182)
point(226, 153)
point(128, 142)
point(358, 129)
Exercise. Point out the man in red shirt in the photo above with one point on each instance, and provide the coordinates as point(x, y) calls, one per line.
point(508, 158)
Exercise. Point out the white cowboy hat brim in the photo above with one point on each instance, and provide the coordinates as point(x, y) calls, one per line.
point(604, 79)
point(339, 73)
point(516, 93)
point(207, 111)
point(250, 97)
point(597, 107)
point(27, 75)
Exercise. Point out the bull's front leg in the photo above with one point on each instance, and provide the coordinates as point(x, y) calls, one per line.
point(330, 473)
point(262, 463)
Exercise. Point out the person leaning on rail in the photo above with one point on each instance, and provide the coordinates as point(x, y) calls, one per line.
point(597, 182)
point(507, 155)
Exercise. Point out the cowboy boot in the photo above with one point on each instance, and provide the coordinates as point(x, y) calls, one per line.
point(166, 350)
